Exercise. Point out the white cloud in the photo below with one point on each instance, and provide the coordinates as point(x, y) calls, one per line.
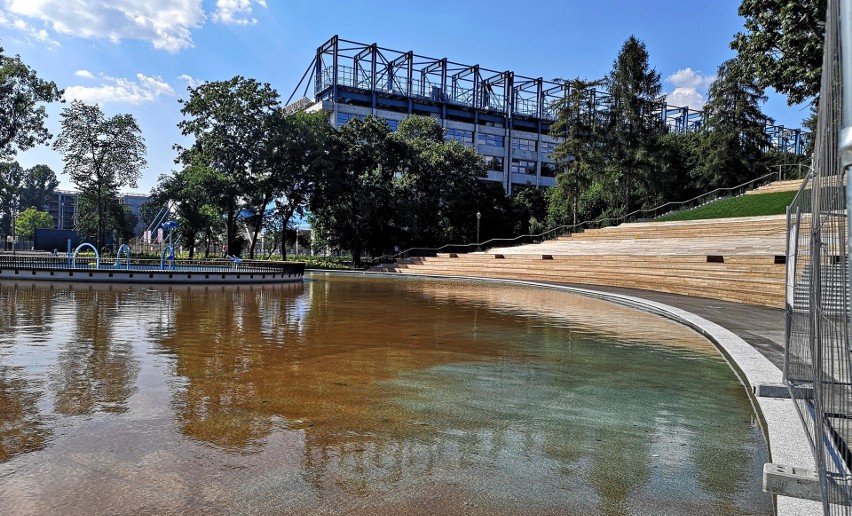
point(32, 34)
point(690, 88)
point(121, 90)
point(237, 12)
point(689, 97)
point(84, 74)
point(190, 81)
point(166, 24)
point(689, 78)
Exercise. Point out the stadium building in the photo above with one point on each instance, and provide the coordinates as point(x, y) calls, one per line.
point(506, 117)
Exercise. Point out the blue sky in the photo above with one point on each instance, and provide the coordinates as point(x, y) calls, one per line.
point(139, 56)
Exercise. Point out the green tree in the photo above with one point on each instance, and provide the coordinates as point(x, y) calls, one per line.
point(101, 155)
point(124, 227)
point(580, 155)
point(633, 127)
point(21, 115)
point(783, 44)
point(196, 206)
point(680, 157)
point(530, 206)
point(228, 120)
point(732, 146)
point(11, 180)
point(39, 184)
point(31, 219)
point(295, 153)
point(437, 183)
point(354, 206)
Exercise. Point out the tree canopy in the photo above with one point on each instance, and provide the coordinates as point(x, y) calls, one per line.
point(581, 151)
point(22, 114)
point(196, 205)
point(101, 155)
point(296, 153)
point(733, 145)
point(228, 120)
point(31, 219)
point(783, 44)
point(11, 180)
point(38, 186)
point(632, 127)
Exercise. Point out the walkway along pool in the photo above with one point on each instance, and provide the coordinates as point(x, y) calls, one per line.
point(366, 395)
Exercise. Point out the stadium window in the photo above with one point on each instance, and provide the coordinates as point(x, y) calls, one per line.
point(490, 140)
point(459, 135)
point(494, 163)
point(522, 166)
point(548, 170)
point(547, 147)
point(342, 118)
point(523, 144)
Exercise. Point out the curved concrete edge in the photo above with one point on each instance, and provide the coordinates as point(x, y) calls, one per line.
point(784, 432)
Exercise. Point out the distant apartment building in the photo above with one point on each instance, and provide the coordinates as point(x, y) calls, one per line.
point(63, 209)
point(135, 201)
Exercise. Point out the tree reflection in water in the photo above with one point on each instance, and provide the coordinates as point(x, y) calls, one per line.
point(96, 369)
point(22, 426)
point(393, 395)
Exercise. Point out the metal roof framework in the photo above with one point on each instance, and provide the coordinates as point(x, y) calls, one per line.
point(367, 74)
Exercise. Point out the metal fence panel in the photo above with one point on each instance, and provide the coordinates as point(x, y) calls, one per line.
point(817, 365)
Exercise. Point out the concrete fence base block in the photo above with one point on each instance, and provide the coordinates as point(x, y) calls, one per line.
point(792, 481)
point(782, 391)
point(771, 391)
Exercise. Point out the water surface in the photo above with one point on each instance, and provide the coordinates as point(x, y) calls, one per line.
point(365, 396)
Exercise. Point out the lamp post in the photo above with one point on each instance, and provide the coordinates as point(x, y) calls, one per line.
point(14, 230)
point(478, 216)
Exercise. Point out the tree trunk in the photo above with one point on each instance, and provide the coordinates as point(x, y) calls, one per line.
point(356, 255)
point(231, 230)
point(285, 218)
point(284, 242)
point(99, 238)
point(259, 225)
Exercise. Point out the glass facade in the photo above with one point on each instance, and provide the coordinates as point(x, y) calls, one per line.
point(490, 140)
point(342, 118)
point(494, 163)
point(522, 166)
point(460, 135)
point(548, 170)
point(546, 148)
point(523, 144)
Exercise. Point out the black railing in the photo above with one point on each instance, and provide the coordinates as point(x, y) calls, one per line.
point(34, 261)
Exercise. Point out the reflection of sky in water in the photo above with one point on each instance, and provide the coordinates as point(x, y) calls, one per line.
point(348, 394)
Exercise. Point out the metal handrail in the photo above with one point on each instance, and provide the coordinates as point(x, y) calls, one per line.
point(148, 265)
point(569, 228)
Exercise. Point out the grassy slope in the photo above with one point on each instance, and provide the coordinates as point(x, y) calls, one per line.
point(742, 206)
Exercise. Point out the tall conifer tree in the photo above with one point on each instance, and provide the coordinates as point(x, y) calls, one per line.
point(732, 148)
point(633, 125)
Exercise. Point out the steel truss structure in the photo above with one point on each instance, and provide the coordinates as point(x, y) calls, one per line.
point(377, 77)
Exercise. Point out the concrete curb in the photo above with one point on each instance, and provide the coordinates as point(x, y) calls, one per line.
point(780, 422)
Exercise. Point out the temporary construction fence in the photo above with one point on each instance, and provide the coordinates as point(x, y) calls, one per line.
point(817, 366)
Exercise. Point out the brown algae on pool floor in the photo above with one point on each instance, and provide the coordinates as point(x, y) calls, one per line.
point(364, 395)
